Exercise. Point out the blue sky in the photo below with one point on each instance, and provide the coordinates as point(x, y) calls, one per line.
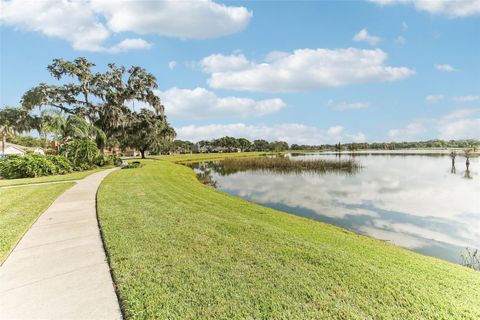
point(302, 71)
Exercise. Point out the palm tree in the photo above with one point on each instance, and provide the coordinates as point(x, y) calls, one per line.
point(66, 128)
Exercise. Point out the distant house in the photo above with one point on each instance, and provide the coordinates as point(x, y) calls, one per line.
point(14, 149)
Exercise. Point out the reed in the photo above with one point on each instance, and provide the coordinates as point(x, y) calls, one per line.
point(287, 165)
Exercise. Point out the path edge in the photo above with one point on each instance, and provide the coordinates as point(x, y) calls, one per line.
point(120, 302)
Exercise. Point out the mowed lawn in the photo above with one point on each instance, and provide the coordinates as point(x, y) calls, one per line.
point(182, 250)
point(64, 177)
point(20, 207)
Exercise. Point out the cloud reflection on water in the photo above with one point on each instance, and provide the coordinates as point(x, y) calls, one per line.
point(412, 201)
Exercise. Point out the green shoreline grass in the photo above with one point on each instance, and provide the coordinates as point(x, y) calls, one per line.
point(78, 175)
point(180, 249)
point(19, 209)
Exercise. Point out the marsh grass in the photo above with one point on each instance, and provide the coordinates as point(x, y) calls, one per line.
point(287, 165)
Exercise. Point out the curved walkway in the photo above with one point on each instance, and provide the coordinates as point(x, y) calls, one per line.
point(59, 268)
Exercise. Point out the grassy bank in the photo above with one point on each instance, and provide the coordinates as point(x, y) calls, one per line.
point(20, 207)
point(185, 158)
point(65, 177)
point(180, 249)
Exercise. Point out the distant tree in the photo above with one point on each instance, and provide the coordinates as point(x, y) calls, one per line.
point(260, 145)
point(148, 131)
point(244, 144)
point(279, 146)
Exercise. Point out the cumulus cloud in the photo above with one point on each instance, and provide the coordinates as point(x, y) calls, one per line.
point(201, 103)
point(434, 98)
point(364, 36)
point(128, 44)
point(466, 98)
point(290, 132)
point(457, 124)
point(412, 130)
point(219, 62)
point(460, 124)
point(450, 8)
point(73, 21)
point(303, 69)
point(199, 19)
point(342, 106)
point(88, 24)
point(445, 67)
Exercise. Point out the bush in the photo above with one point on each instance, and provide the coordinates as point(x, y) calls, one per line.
point(63, 165)
point(82, 153)
point(29, 166)
point(103, 160)
point(133, 165)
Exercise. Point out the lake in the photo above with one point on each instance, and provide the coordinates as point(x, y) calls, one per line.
point(415, 201)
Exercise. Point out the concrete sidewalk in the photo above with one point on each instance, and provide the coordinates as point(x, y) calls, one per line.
point(59, 269)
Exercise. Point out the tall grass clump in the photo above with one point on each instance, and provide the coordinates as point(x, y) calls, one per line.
point(287, 165)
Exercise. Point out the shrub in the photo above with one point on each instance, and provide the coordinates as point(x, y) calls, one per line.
point(63, 165)
point(82, 153)
point(103, 160)
point(133, 165)
point(29, 166)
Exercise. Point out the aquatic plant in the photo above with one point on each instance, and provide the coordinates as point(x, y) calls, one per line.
point(471, 258)
point(287, 165)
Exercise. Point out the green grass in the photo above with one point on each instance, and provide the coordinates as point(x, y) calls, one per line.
point(182, 250)
point(20, 207)
point(185, 158)
point(65, 177)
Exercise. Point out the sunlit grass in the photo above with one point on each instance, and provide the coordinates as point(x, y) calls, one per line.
point(20, 207)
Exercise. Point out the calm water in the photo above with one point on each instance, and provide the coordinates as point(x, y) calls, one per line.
point(415, 201)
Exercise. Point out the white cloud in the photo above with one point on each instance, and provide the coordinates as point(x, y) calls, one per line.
point(450, 8)
point(410, 131)
point(304, 69)
point(199, 19)
point(460, 124)
point(400, 40)
point(218, 62)
point(172, 65)
point(466, 98)
point(73, 21)
point(404, 26)
point(342, 106)
point(445, 67)
point(457, 124)
point(363, 36)
point(290, 132)
point(88, 24)
point(201, 103)
point(434, 98)
point(129, 44)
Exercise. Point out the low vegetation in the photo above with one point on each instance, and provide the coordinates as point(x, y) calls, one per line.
point(76, 175)
point(286, 165)
point(20, 207)
point(33, 165)
point(180, 249)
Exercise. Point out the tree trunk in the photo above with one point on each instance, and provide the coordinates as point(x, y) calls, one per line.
point(143, 153)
